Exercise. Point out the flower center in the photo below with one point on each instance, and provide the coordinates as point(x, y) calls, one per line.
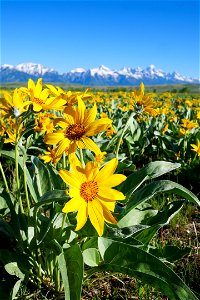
point(38, 101)
point(89, 190)
point(75, 132)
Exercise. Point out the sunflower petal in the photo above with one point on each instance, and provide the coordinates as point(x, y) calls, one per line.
point(112, 180)
point(110, 205)
point(68, 178)
point(90, 116)
point(98, 126)
point(81, 111)
point(53, 138)
point(31, 84)
point(62, 147)
point(108, 216)
point(107, 170)
point(82, 216)
point(110, 194)
point(38, 88)
point(37, 107)
point(72, 205)
point(95, 212)
point(90, 145)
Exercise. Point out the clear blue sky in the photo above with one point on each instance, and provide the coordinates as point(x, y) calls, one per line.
point(70, 34)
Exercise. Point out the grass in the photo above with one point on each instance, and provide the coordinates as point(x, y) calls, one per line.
point(161, 88)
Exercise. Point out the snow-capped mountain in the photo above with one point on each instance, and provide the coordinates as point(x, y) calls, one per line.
point(95, 76)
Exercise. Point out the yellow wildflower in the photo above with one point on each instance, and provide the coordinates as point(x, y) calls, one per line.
point(92, 194)
point(13, 104)
point(50, 156)
point(79, 124)
point(196, 148)
point(40, 97)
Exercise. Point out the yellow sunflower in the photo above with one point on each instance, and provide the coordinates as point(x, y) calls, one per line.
point(91, 192)
point(40, 97)
point(13, 104)
point(79, 124)
point(196, 148)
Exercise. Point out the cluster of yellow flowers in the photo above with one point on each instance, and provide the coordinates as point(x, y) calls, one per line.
point(91, 186)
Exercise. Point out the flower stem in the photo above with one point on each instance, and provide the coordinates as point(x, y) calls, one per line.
point(64, 160)
point(4, 178)
point(25, 184)
point(123, 132)
point(17, 178)
point(81, 157)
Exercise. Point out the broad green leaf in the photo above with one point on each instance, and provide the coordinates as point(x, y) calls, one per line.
point(161, 186)
point(13, 269)
point(150, 171)
point(133, 261)
point(15, 220)
point(11, 154)
point(164, 217)
point(147, 234)
point(91, 257)
point(15, 289)
point(170, 253)
point(74, 263)
point(135, 216)
point(54, 177)
point(41, 178)
point(63, 270)
point(55, 194)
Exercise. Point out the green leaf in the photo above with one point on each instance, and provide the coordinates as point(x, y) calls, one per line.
point(154, 188)
point(55, 194)
point(55, 178)
point(91, 257)
point(170, 253)
point(133, 261)
point(74, 275)
point(11, 154)
point(150, 171)
point(147, 234)
point(13, 269)
point(41, 178)
point(15, 289)
point(135, 217)
point(63, 270)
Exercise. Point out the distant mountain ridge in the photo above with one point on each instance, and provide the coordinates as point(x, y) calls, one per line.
point(95, 76)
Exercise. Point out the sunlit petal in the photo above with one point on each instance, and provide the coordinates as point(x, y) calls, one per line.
point(95, 212)
point(82, 215)
point(112, 181)
point(107, 170)
point(68, 178)
point(72, 205)
point(53, 138)
point(109, 193)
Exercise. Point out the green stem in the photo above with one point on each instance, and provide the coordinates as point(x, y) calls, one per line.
point(25, 184)
point(4, 178)
point(64, 160)
point(17, 178)
point(81, 157)
point(122, 134)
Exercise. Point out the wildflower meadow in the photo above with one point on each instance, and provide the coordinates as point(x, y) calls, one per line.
point(83, 178)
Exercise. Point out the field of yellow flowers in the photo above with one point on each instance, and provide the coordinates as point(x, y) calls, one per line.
point(77, 180)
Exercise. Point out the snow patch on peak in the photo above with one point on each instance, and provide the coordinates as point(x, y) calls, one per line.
point(78, 70)
point(102, 71)
point(33, 69)
point(7, 66)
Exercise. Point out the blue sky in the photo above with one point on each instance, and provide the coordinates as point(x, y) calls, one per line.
point(70, 34)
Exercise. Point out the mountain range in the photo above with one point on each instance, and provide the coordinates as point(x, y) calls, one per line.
point(97, 76)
